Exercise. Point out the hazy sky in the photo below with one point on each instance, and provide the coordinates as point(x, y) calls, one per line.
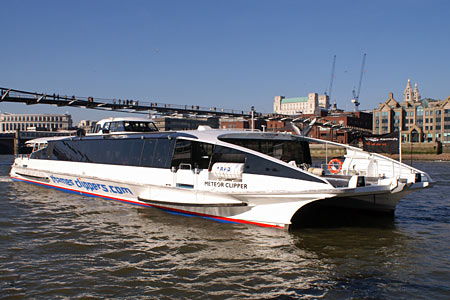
point(230, 54)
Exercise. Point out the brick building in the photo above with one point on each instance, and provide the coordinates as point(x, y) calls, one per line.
point(343, 127)
point(420, 120)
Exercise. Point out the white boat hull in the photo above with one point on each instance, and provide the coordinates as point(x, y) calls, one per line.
point(244, 202)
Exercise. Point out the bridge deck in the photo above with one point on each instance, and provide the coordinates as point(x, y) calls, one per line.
point(134, 106)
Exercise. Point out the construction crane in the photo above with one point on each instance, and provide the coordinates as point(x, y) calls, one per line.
point(355, 99)
point(332, 77)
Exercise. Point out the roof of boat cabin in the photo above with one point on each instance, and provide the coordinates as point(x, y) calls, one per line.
point(116, 119)
point(210, 135)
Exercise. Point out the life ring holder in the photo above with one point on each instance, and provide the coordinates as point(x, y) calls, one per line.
point(335, 165)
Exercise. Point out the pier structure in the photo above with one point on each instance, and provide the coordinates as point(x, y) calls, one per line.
point(14, 142)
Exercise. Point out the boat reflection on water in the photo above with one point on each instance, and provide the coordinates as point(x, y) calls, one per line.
point(352, 260)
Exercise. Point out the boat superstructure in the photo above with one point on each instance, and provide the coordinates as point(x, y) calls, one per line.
point(121, 125)
point(234, 176)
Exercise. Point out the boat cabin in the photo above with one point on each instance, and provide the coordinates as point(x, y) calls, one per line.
point(232, 154)
point(124, 125)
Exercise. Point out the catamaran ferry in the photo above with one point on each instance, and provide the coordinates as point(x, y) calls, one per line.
point(259, 178)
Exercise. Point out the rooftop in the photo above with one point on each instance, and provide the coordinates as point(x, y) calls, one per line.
point(294, 100)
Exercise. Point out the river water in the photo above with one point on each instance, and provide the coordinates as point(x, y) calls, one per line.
point(55, 245)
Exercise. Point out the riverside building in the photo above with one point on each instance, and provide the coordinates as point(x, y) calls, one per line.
point(420, 120)
point(23, 122)
point(311, 105)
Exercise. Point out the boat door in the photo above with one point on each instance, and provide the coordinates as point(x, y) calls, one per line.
point(185, 176)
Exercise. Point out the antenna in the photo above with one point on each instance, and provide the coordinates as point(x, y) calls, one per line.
point(355, 99)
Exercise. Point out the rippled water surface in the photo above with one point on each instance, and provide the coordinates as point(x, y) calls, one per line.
point(55, 245)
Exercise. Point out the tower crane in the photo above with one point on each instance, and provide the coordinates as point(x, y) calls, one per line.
point(355, 99)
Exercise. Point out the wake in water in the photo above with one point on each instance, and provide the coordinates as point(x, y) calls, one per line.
point(5, 179)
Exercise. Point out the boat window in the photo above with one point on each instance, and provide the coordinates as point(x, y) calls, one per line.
point(195, 153)
point(119, 126)
point(113, 127)
point(292, 150)
point(157, 153)
point(130, 152)
point(147, 152)
point(97, 128)
point(116, 126)
point(226, 154)
point(139, 126)
point(182, 153)
point(202, 153)
point(162, 153)
point(260, 166)
point(40, 154)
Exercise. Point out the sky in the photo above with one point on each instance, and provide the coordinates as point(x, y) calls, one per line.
point(229, 54)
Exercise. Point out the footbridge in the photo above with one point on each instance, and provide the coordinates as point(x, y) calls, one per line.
point(119, 105)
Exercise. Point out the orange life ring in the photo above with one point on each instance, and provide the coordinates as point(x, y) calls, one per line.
point(335, 165)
